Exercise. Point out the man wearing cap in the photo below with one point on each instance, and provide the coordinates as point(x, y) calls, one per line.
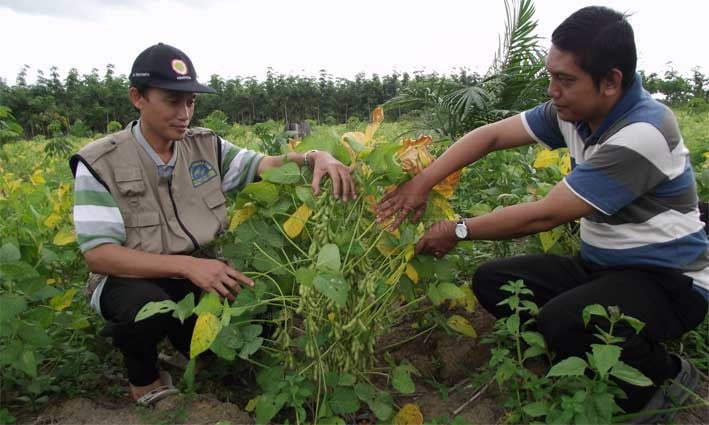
point(150, 195)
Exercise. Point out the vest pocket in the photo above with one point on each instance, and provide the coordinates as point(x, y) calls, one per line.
point(143, 232)
point(129, 181)
point(216, 202)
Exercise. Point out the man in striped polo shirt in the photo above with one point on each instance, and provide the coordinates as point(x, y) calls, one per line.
point(643, 246)
point(149, 196)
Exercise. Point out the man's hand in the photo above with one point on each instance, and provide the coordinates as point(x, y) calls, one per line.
point(343, 184)
point(438, 240)
point(402, 201)
point(215, 276)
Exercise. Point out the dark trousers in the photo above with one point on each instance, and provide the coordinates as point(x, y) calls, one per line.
point(563, 286)
point(122, 299)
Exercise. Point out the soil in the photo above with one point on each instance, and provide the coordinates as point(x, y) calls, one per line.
point(444, 388)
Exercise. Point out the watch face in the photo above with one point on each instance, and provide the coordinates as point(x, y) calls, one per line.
point(461, 231)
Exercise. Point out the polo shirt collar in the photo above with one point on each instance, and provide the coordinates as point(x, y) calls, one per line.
point(143, 142)
point(629, 99)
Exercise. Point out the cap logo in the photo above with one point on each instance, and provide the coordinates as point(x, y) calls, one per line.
point(179, 66)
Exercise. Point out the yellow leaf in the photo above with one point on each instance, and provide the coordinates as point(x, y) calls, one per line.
point(373, 126)
point(64, 236)
point(410, 414)
point(565, 164)
point(331, 316)
point(409, 252)
point(444, 206)
point(546, 158)
point(548, 239)
point(468, 302)
point(63, 300)
point(37, 178)
point(412, 273)
point(251, 405)
point(241, 215)
point(62, 190)
point(51, 281)
point(205, 331)
point(414, 155)
point(385, 248)
point(394, 278)
point(461, 325)
point(295, 223)
point(52, 220)
point(447, 186)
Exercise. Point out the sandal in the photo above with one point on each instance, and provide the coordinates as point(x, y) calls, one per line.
point(159, 393)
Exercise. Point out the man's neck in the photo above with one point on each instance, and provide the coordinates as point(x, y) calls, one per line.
point(603, 112)
point(161, 146)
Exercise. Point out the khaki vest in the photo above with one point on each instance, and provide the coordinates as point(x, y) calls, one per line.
point(162, 216)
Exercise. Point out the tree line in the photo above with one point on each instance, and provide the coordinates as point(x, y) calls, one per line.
point(82, 105)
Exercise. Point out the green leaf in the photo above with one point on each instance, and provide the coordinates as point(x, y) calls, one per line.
point(450, 291)
point(9, 253)
point(263, 193)
point(27, 362)
point(305, 276)
point(333, 286)
point(220, 346)
point(533, 351)
point(512, 323)
point(305, 194)
point(534, 339)
point(573, 366)
point(11, 306)
point(153, 308)
point(33, 335)
point(401, 379)
point(250, 347)
point(19, 271)
point(287, 173)
point(209, 303)
point(346, 379)
point(365, 392)
point(267, 406)
point(629, 374)
point(382, 406)
point(605, 357)
point(434, 295)
point(270, 379)
point(344, 401)
point(536, 409)
point(638, 325)
point(329, 259)
point(188, 376)
point(183, 309)
point(593, 309)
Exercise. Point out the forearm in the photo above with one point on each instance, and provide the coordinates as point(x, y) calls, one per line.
point(117, 260)
point(468, 149)
point(510, 222)
point(278, 160)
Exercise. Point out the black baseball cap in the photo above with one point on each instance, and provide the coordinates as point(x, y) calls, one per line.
point(166, 67)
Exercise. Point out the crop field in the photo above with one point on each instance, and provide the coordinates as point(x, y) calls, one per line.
point(345, 325)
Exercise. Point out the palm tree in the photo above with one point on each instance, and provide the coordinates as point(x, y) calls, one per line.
point(514, 82)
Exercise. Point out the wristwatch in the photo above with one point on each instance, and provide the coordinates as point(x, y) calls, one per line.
point(461, 230)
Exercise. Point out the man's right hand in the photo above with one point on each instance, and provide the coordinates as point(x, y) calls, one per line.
point(215, 276)
point(408, 198)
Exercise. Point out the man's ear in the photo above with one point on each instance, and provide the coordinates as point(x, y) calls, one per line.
point(137, 98)
point(612, 83)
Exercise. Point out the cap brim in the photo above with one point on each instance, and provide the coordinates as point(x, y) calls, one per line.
point(184, 86)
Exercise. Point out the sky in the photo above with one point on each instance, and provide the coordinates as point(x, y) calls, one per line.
point(246, 37)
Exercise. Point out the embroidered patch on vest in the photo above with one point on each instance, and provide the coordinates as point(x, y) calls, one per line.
point(201, 172)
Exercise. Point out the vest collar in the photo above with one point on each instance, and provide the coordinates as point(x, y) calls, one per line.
point(163, 169)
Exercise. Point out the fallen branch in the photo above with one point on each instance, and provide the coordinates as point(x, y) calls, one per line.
point(473, 398)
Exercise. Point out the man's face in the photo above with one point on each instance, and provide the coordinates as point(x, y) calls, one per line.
point(165, 114)
point(571, 89)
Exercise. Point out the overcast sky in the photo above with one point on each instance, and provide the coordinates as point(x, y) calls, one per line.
point(244, 38)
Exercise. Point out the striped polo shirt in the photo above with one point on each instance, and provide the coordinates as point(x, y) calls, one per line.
point(97, 219)
point(635, 171)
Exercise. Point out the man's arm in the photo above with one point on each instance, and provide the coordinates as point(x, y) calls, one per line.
point(322, 164)
point(412, 195)
point(560, 206)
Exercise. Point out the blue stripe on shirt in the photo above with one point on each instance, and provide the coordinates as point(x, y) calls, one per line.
point(673, 254)
point(678, 185)
point(599, 189)
point(543, 122)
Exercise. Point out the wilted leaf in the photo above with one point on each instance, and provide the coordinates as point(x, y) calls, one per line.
point(241, 215)
point(412, 273)
point(205, 331)
point(410, 414)
point(546, 158)
point(468, 302)
point(63, 300)
point(461, 325)
point(414, 155)
point(52, 220)
point(295, 223)
point(65, 236)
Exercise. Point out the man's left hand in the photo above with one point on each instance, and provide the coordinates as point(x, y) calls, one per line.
point(343, 185)
point(438, 240)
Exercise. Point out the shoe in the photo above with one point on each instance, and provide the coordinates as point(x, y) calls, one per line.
point(156, 394)
point(670, 395)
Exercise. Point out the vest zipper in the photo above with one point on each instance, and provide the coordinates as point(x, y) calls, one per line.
point(177, 216)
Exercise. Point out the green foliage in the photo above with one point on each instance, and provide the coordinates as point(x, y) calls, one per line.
point(113, 127)
point(217, 122)
point(9, 128)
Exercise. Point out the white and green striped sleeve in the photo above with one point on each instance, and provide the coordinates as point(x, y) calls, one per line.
point(239, 166)
point(97, 219)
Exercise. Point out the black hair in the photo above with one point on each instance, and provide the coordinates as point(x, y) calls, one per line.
point(601, 39)
point(141, 87)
